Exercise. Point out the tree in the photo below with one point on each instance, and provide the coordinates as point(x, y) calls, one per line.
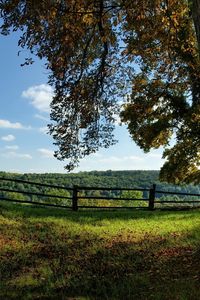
point(91, 48)
point(15, 196)
point(133, 195)
point(165, 98)
point(58, 201)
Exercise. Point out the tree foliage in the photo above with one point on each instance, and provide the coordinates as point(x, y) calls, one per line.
point(134, 195)
point(91, 49)
point(165, 99)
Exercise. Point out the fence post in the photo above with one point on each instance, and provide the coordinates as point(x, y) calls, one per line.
point(152, 193)
point(75, 198)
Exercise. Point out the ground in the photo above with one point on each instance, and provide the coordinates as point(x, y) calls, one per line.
point(58, 254)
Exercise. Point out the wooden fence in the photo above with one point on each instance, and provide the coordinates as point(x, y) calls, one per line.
point(152, 202)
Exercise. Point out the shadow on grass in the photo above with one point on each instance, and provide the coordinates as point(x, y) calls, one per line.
point(91, 216)
point(41, 262)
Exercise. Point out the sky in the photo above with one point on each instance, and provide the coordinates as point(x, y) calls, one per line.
point(25, 146)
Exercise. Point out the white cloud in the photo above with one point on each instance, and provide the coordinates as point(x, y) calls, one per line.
point(96, 155)
point(40, 97)
point(10, 125)
point(118, 120)
point(14, 147)
point(16, 171)
point(8, 138)
point(155, 155)
point(46, 152)
point(124, 162)
point(41, 117)
point(43, 130)
point(134, 158)
point(119, 159)
point(17, 155)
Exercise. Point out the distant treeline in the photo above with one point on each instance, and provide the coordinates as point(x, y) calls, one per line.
point(118, 179)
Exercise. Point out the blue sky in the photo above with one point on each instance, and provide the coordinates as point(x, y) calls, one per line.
point(24, 145)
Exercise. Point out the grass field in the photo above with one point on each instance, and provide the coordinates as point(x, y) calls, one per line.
point(57, 254)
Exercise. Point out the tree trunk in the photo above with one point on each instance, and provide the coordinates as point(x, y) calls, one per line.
point(195, 10)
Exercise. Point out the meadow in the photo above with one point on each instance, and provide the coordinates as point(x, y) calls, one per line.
point(58, 254)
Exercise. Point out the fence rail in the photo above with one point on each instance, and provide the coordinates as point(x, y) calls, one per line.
point(176, 193)
point(34, 203)
point(76, 198)
point(111, 189)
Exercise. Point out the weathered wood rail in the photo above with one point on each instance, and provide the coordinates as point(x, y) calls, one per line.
point(151, 200)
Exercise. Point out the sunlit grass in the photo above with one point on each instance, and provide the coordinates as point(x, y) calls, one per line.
point(58, 254)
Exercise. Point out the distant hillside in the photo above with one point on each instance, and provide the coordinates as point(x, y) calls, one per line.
point(140, 179)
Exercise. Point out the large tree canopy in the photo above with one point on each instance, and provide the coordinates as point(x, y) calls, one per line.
point(101, 51)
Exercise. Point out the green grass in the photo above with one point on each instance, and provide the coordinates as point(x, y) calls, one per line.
point(57, 254)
